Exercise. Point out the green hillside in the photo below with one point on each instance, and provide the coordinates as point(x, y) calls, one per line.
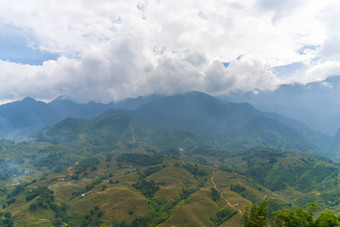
point(136, 183)
point(143, 168)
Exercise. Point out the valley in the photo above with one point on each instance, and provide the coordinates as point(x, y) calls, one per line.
point(180, 164)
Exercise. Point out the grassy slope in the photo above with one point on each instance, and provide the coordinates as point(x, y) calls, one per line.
point(116, 200)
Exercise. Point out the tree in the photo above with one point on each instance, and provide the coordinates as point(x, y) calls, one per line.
point(8, 215)
point(295, 217)
point(215, 195)
point(257, 216)
point(326, 219)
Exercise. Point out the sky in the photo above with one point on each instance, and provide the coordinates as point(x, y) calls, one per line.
point(108, 50)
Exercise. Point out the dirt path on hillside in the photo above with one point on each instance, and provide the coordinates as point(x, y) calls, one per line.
point(70, 168)
point(225, 199)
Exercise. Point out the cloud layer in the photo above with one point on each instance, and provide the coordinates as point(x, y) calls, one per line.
point(110, 50)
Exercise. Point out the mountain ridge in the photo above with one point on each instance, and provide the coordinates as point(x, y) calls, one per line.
point(235, 125)
point(195, 112)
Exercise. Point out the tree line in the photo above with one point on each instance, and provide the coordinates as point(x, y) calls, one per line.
point(258, 216)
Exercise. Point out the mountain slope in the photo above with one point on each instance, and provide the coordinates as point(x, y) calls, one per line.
point(314, 104)
point(67, 108)
point(23, 117)
point(334, 146)
point(194, 112)
point(20, 118)
point(232, 124)
point(137, 186)
point(199, 116)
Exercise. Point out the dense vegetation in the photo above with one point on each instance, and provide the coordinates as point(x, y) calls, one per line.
point(140, 159)
point(257, 216)
point(223, 215)
point(148, 188)
point(6, 219)
point(215, 195)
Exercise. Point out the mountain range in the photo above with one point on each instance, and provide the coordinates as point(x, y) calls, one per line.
point(234, 125)
point(21, 118)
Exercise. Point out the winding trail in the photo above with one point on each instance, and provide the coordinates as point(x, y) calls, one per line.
point(69, 170)
point(71, 167)
point(225, 199)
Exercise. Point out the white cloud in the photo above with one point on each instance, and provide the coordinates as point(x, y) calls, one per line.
point(331, 19)
point(321, 71)
point(116, 49)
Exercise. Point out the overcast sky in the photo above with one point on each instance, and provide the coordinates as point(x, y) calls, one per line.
point(109, 50)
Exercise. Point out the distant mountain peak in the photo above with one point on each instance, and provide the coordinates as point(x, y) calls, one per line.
point(196, 93)
point(192, 94)
point(62, 98)
point(333, 79)
point(28, 99)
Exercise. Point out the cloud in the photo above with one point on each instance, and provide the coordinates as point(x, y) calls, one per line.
point(111, 50)
point(281, 8)
point(331, 47)
point(120, 70)
point(330, 18)
point(321, 71)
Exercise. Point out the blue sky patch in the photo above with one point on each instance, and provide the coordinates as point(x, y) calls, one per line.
point(309, 47)
point(14, 47)
point(226, 64)
point(289, 70)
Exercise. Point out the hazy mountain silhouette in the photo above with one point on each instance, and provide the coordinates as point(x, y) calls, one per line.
point(20, 118)
point(233, 125)
point(315, 104)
